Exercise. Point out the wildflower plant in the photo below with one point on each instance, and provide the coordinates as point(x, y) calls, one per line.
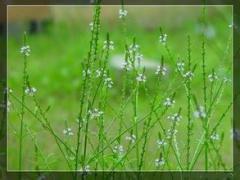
point(178, 128)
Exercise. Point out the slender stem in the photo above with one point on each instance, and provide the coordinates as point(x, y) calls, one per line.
point(46, 125)
point(22, 106)
point(204, 88)
point(49, 127)
point(145, 135)
point(189, 123)
point(94, 41)
point(135, 106)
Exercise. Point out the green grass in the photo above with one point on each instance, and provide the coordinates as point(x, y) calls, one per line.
point(55, 69)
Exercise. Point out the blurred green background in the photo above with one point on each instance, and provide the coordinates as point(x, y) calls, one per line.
point(59, 40)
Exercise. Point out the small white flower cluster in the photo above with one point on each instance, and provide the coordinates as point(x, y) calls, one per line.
point(25, 50)
point(161, 143)
point(100, 72)
point(212, 77)
point(118, 149)
point(200, 113)
point(122, 13)
point(171, 132)
point(159, 162)
point(134, 48)
point(30, 91)
point(188, 75)
point(86, 72)
point(131, 138)
point(68, 132)
point(108, 44)
point(91, 26)
point(161, 70)
point(175, 117)
point(134, 54)
point(215, 137)
point(141, 78)
point(180, 66)
point(163, 39)
point(126, 66)
point(169, 102)
point(95, 113)
point(108, 82)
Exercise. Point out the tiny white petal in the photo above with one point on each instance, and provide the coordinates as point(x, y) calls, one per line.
point(141, 78)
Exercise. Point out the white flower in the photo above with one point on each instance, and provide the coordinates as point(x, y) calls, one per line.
point(68, 132)
point(169, 102)
point(126, 66)
point(141, 78)
point(163, 39)
point(212, 77)
point(86, 72)
point(118, 149)
point(99, 72)
point(109, 45)
point(180, 66)
point(95, 113)
point(161, 70)
point(200, 113)
point(171, 132)
point(30, 91)
point(131, 138)
point(161, 143)
point(91, 26)
point(159, 162)
point(188, 75)
point(108, 82)
point(122, 13)
point(215, 137)
point(134, 48)
point(25, 50)
point(175, 117)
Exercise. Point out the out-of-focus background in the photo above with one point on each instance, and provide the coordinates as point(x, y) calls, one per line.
point(59, 39)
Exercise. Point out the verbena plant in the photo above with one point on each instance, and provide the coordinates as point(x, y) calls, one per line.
point(124, 140)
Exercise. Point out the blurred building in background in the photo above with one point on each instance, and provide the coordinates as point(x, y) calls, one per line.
point(30, 16)
point(33, 18)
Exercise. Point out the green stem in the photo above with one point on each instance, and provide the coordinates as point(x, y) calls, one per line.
point(22, 107)
point(205, 89)
point(189, 123)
